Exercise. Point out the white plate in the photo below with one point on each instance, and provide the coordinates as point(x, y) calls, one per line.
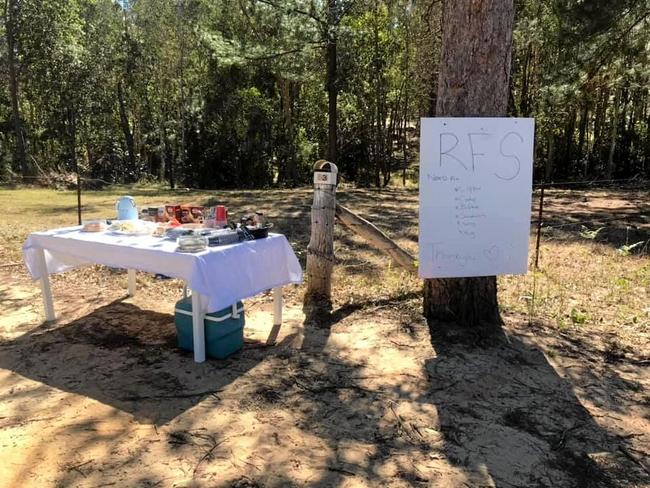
point(140, 228)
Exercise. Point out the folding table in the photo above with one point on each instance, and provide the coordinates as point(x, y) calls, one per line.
point(217, 277)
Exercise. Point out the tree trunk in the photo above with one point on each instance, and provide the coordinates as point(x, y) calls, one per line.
point(582, 132)
point(162, 152)
point(525, 80)
point(126, 128)
point(473, 82)
point(550, 158)
point(609, 168)
point(332, 82)
point(566, 167)
point(20, 156)
point(287, 171)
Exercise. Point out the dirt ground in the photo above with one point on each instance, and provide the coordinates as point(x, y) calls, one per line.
point(370, 396)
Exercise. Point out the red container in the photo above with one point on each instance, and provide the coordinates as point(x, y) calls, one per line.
point(221, 213)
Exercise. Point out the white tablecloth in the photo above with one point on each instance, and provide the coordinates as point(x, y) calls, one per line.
point(223, 274)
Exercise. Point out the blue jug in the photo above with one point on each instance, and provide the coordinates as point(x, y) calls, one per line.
point(126, 209)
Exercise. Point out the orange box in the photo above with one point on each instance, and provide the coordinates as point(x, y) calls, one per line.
point(173, 211)
point(191, 214)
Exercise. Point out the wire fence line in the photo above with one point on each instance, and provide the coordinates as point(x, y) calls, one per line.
point(559, 184)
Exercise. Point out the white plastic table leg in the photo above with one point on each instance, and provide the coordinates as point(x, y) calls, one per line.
point(45, 288)
point(131, 282)
point(277, 306)
point(277, 316)
point(198, 329)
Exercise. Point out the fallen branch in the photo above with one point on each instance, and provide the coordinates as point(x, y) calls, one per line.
point(375, 237)
point(135, 398)
point(634, 458)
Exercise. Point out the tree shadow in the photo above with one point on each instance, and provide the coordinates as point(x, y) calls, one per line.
point(508, 417)
point(614, 218)
point(126, 357)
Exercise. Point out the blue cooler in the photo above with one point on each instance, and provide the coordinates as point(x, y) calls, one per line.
point(224, 333)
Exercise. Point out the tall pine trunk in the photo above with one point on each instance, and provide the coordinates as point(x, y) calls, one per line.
point(126, 128)
point(20, 157)
point(609, 168)
point(473, 82)
point(332, 81)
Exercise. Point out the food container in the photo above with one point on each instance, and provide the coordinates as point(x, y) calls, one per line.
point(258, 219)
point(223, 237)
point(216, 217)
point(161, 215)
point(192, 243)
point(173, 212)
point(94, 226)
point(190, 214)
point(259, 232)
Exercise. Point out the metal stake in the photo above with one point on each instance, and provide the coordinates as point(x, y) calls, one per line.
point(539, 226)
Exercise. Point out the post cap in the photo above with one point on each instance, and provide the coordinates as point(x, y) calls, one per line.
point(321, 164)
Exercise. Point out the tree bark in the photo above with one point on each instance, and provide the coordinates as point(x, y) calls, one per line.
point(609, 168)
point(525, 82)
point(582, 133)
point(550, 158)
point(473, 82)
point(20, 156)
point(332, 81)
point(287, 170)
point(126, 128)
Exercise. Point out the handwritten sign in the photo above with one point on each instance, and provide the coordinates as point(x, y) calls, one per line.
point(475, 196)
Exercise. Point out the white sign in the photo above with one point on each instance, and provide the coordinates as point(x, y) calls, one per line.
point(475, 196)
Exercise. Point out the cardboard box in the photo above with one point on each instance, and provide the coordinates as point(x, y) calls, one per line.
point(191, 214)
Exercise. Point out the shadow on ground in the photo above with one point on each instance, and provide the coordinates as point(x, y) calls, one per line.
point(507, 415)
point(126, 357)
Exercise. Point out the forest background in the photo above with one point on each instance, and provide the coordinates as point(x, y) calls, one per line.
point(249, 93)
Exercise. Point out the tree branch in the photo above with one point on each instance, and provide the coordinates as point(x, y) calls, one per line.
point(294, 10)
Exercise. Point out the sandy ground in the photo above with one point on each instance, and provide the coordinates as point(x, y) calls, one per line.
point(367, 397)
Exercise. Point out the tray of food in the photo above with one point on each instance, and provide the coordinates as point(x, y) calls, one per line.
point(94, 226)
point(132, 227)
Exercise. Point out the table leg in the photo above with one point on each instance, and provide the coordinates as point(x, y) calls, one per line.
point(198, 329)
point(45, 288)
point(277, 316)
point(277, 306)
point(130, 282)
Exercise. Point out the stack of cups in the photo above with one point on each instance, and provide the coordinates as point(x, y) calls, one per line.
point(221, 217)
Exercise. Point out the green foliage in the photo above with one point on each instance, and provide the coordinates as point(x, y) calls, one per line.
point(626, 250)
point(586, 233)
point(233, 92)
point(578, 317)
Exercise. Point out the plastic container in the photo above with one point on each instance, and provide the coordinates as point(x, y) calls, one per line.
point(192, 243)
point(224, 330)
point(223, 237)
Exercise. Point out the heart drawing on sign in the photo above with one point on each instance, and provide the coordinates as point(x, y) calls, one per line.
point(492, 253)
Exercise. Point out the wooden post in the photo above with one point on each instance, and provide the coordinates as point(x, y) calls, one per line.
point(320, 251)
